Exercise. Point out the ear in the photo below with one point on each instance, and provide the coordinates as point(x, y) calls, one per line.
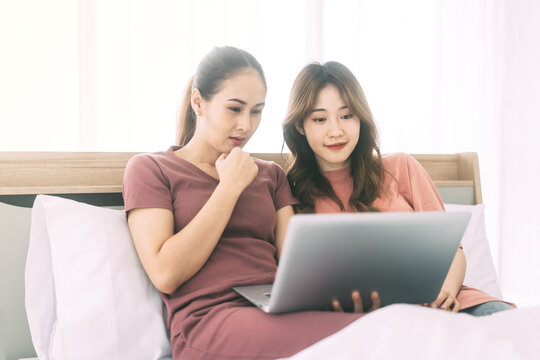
point(300, 128)
point(196, 101)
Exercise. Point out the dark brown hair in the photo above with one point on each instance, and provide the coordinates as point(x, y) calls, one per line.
point(305, 177)
point(220, 64)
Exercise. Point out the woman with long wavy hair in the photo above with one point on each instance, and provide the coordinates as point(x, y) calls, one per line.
point(336, 166)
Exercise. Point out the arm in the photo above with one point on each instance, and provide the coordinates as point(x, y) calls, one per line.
point(447, 299)
point(171, 259)
point(283, 216)
point(425, 197)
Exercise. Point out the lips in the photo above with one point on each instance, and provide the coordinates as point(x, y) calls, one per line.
point(237, 140)
point(336, 146)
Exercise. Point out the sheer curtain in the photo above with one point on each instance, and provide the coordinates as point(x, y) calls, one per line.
point(440, 76)
point(520, 153)
point(486, 89)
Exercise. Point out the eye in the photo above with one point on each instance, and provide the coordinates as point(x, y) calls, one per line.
point(318, 120)
point(347, 116)
point(235, 109)
point(256, 112)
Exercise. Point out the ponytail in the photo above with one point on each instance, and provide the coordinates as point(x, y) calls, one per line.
point(187, 120)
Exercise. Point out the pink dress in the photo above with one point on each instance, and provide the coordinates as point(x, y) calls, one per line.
point(206, 318)
point(407, 187)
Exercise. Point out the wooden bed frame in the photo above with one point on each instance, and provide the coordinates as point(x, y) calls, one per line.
point(30, 173)
point(96, 178)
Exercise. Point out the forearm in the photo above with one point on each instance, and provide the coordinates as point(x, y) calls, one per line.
point(283, 217)
point(183, 254)
point(171, 259)
point(456, 273)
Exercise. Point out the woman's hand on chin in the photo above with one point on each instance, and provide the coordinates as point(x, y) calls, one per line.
point(236, 169)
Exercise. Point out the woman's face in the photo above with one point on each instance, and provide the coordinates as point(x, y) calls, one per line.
point(331, 130)
point(232, 115)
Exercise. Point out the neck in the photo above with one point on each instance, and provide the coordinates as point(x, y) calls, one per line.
point(199, 152)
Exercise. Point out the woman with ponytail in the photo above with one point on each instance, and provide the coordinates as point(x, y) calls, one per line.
point(205, 217)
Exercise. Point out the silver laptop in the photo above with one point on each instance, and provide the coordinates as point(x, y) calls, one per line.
point(405, 256)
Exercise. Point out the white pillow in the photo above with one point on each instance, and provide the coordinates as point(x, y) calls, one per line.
point(480, 272)
point(87, 295)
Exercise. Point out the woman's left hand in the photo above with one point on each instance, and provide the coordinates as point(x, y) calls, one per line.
point(358, 304)
point(446, 300)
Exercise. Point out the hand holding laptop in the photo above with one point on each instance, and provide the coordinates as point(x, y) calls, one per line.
point(358, 303)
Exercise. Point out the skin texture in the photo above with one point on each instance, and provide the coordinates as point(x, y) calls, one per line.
point(331, 123)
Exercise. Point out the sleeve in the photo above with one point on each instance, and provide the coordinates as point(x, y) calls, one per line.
point(423, 194)
point(283, 195)
point(144, 185)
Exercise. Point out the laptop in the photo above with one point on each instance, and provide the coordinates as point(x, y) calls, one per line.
point(404, 256)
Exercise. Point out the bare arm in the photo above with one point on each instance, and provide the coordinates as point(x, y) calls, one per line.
point(171, 259)
point(452, 284)
point(283, 216)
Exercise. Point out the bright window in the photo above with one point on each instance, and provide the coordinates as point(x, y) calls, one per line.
point(108, 75)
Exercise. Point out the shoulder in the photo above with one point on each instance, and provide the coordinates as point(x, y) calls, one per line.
point(145, 161)
point(400, 161)
point(271, 173)
point(146, 183)
point(402, 167)
point(150, 165)
point(396, 163)
point(268, 167)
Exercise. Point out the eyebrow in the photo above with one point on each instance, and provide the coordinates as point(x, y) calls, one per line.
point(321, 109)
point(243, 102)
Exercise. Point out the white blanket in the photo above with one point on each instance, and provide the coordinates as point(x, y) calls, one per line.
point(414, 332)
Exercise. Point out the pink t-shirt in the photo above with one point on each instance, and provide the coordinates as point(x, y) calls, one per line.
point(407, 187)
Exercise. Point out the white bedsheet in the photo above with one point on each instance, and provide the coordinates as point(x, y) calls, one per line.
point(413, 332)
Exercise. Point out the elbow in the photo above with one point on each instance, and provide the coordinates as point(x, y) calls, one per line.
point(164, 283)
point(165, 288)
point(167, 277)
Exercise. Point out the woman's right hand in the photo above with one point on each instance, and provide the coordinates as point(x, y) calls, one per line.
point(358, 304)
point(236, 169)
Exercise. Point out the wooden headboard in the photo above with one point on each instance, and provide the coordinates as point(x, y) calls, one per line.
point(456, 176)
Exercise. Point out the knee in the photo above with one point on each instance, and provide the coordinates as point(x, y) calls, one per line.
point(488, 308)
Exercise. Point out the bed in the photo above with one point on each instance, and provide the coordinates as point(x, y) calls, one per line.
point(74, 259)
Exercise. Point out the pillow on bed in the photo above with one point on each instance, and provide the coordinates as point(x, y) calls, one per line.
point(87, 295)
point(480, 270)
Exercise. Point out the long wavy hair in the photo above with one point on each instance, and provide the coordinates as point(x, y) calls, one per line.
point(220, 64)
point(305, 177)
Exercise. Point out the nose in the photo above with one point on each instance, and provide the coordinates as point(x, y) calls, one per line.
point(335, 129)
point(244, 123)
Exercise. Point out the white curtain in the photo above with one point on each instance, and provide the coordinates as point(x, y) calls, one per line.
point(488, 83)
point(440, 76)
point(519, 149)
